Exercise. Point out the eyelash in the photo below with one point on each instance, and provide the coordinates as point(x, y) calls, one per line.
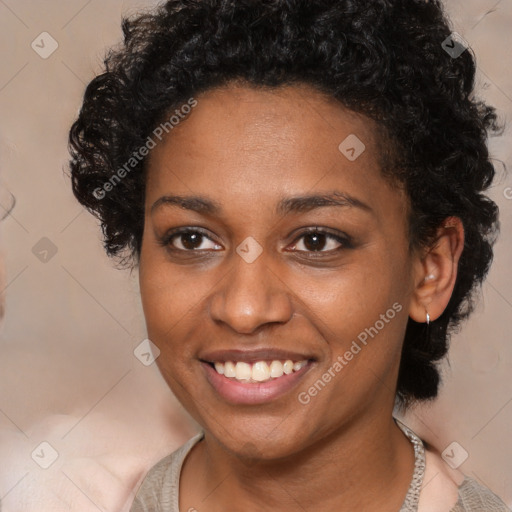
point(343, 239)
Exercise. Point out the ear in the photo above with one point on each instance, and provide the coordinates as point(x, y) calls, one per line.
point(436, 272)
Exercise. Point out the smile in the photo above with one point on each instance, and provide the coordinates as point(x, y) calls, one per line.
point(255, 383)
point(260, 371)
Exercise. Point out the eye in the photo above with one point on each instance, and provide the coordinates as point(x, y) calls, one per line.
point(190, 240)
point(318, 240)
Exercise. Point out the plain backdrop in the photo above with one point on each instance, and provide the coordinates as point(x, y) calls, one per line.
point(71, 388)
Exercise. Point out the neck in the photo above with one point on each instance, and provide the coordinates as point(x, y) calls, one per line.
point(365, 466)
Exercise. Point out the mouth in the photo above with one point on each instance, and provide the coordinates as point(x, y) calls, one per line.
point(254, 377)
point(260, 371)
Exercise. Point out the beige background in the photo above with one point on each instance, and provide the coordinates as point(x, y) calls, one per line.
point(68, 375)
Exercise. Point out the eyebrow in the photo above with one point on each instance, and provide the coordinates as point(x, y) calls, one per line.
point(307, 203)
point(195, 203)
point(286, 206)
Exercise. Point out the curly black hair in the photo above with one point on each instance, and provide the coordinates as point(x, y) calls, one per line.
point(388, 60)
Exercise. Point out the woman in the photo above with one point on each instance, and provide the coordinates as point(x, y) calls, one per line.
point(300, 185)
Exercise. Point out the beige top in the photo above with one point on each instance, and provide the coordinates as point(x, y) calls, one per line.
point(443, 490)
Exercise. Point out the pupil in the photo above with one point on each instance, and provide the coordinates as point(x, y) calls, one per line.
point(317, 239)
point(191, 240)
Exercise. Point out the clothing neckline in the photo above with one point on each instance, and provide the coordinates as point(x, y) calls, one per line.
point(411, 500)
point(412, 497)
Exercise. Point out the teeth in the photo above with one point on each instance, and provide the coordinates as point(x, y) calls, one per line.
point(229, 369)
point(243, 371)
point(288, 367)
point(276, 369)
point(297, 366)
point(260, 371)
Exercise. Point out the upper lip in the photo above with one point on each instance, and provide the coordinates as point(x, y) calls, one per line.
point(252, 356)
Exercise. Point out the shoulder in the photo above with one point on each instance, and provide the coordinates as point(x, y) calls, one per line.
point(159, 489)
point(448, 489)
point(474, 497)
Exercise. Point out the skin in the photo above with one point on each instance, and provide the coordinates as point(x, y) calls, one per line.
point(247, 149)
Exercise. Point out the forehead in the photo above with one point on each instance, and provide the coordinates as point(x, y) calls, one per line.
point(248, 112)
point(255, 142)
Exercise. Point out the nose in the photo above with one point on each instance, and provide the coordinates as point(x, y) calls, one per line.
point(250, 296)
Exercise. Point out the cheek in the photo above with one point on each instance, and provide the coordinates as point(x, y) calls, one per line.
point(364, 302)
point(362, 320)
point(350, 300)
point(171, 298)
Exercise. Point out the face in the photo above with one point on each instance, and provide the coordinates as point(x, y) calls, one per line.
point(263, 243)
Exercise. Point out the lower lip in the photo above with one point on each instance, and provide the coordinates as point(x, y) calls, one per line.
point(238, 393)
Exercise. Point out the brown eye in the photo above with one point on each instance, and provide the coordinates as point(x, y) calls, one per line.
point(320, 241)
point(315, 241)
point(190, 240)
